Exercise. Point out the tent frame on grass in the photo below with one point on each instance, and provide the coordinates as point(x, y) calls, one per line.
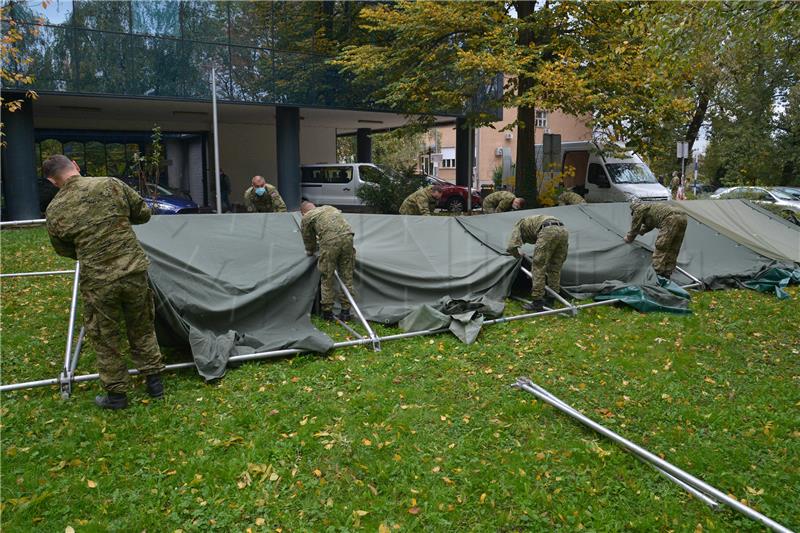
point(67, 377)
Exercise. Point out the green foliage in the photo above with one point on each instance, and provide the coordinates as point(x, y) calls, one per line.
point(497, 178)
point(425, 434)
point(148, 166)
point(387, 192)
point(399, 149)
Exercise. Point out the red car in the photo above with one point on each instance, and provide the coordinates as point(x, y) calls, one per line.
point(454, 197)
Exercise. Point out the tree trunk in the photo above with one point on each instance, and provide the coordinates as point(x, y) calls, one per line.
point(697, 119)
point(525, 175)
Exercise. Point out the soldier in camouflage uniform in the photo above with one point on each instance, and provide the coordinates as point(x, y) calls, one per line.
point(422, 201)
point(90, 220)
point(674, 185)
point(552, 243)
point(671, 224)
point(326, 228)
point(502, 201)
point(262, 197)
point(570, 197)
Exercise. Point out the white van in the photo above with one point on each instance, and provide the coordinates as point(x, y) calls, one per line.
point(606, 178)
point(336, 184)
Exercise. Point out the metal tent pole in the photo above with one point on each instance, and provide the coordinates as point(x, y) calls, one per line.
point(45, 273)
point(348, 328)
point(528, 386)
point(216, 138)
point(695, 492)
point(295, 351)
point(66, 375)
point(376, 342)
point(19, 223)
point(571, 308)
point(76, 354)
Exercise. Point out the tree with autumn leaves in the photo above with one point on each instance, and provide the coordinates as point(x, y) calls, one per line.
point(644, 72)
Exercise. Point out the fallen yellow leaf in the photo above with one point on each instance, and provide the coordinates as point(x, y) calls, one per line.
point(91, 484)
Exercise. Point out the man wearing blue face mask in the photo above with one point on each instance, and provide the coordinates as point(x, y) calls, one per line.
point(262, 197)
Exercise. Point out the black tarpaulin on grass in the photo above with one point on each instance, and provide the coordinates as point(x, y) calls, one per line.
point(236, 284)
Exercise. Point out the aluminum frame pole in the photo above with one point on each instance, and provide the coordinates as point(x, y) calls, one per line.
point(216, 138)
point(20, 223)
point(530, 387)
point(569, 307)
point(44, 273)
point(346, 326)
point(294, 351)
point(66, 374)
point(695, 492)
point(376, 342)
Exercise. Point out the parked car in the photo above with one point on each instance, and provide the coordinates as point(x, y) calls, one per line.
point(779, 202)
point(164, 200)
point(716, 194)
point(337, 185)
point(701, 188)
point(454, 197)
point(794, 192)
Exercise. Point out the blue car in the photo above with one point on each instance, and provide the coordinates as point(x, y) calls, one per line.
point(168, 202)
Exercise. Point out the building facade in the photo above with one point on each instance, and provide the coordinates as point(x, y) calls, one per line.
point(494, 147)
point(107, 71)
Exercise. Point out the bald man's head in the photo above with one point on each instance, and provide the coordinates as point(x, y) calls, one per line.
point(306, 206)
point(258, 181)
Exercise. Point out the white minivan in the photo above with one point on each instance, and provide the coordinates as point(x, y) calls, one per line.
point(606, 178)
point(336, 184)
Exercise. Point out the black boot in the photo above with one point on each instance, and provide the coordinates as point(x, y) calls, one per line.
point(327, 315)
point(155, 387)
point(549, 301)
point(112, 400)
point(535, 306)
point(344, 316)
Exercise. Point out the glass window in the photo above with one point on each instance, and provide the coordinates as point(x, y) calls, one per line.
point(104, 65)
point(327, 174)
point(252, 72)
point(205, 21)
point(75, 151)
point(156, 18)
point(369, 173)
point(197, 59)
point(630, 173)
point(541, 119)
point(50, 147)
point(115, 159)
point(251, 23)
point(598, 176)
point(107, 16)
point(49, 50)
point(159, 68)
point(38, 159)
point(55, 12)
point(95, 154)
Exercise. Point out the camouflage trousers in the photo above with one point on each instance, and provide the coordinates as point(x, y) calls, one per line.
point(340, 256)
point(127, 299)
point(668, 244)
point(552, 244)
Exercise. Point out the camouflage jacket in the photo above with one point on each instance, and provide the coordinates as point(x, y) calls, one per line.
point(420, 202)
point(270, 202)
point(674, 184)
point(323, 224)
point(526, 230)
point(90, 220)
point(646, 216)
point(498, 202)
point(570, 198)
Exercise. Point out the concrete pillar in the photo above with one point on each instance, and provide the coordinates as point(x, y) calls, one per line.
point(20, 182)
point(464, 156)
point(287, 130)
point(363, 146)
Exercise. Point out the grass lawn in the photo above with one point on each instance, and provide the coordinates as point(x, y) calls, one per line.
point(425, 435)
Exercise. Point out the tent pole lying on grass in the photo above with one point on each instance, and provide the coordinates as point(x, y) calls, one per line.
point(376, 342)
point(295, 351)
point(45, 273)
point(696, 493)
point(528, 386)
point(348, 328)
point(18, 223)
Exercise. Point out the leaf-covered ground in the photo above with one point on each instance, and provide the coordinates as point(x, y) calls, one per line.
point(425, 435)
